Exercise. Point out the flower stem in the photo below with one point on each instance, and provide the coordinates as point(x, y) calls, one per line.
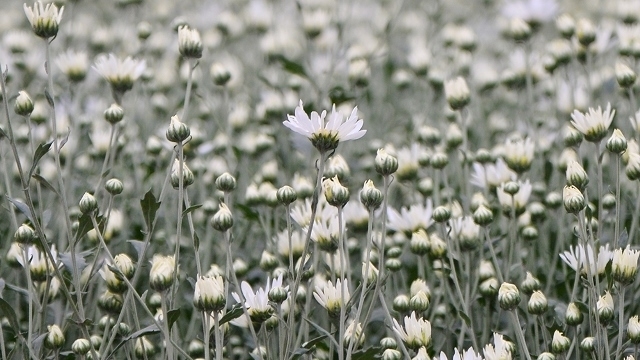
point(519, 334)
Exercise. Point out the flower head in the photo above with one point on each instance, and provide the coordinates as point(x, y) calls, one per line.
point(325, 135)
point(416, 332)
point(44, 19)
point(121, 74)
point(189, 42)
point(162, 272)
point(257, 303)
point(581, 257)
point(209, 293)
point(457, 93)
point(594, 124)
point(625, 265)
point(73, 64)
point(330, 296)
point(499, 350)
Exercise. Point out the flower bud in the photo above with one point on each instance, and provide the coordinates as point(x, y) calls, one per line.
point(519, 30)
point(24, 235)
point(114, 114)
point(370, 196)
point(55, 337)
point(483, 216)
point(23, 105)
point(529, 233)
point(391, 354)
point(419, 302)
point(187, 175)
point(560, 343)
point(223, 219)
point(489, 288)
point(110, 302)
point(546, 356)
point(401, 303)
point(457, 93)
point(511, 187)
point(268, 261)
point(81, 346)
point(632, 170)
point(278, 294)
point(114, 186)
point(143, 348)
point(162, 272)
point(585, 32)
point(576, 175)
point(573, 199)
point(420, 244)
point(177, 131)
point(508, 296)
point(226, 182)
point(220, 74)
point(617, 143)
point(393, 264)
point(588, 344)
point(605, 309)
point(486, 270)
point(625, 76)
point(371, 272)
point(286, 195)
point(88, 203)
point(335, 194)
point(625, 265)
point(441, 214)
point(388, 343)
point(633, 330)
point(240, 267)
point(438, 247)
point(385, 164)
point(425, 187)
point(124, 263)
point(566, 25)
point(537, 304)
point(573, 316)
point(439, 160)
point(189, 43)
point(209, 293)
point(530, 284)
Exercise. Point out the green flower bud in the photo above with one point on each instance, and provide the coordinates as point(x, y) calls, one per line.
point(537, 304)
point(573, 199)
point(511, 187)
point(588, 344)
point(278, 294)
point(114, 186)
point(489, 288)
point(55, 337)
point(483, 216)
point(420, 244)
point(370, 196)
point(114, 114)
point(633, 330)
point(625, 76)
point(24, 235)
point(111, 302)
point(88, 203)
point(401, 303)
point(441, 214)
point(530, 284)
point(187, 175)
point(391, 354)
point(393, 264)
point(388, 343)
point(335, 194)
point(223, 219)
point(439, 160)
point(419, 302)
point(226, 183)
point(573, 315)
point(81, 346)
point(177, 131)
point(617, 143)
point(560, 343)
point(220, 74)
point(385, 164)
point(286, 195)
point(23, 105)
point(189, 43)
point(508, 296)
point(546, 356)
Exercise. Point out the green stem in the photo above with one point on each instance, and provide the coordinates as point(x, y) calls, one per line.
point(219, 335)
point(165, 324)
point(343, 285)
point(519, 334)
point(206, 317)
point(620, 320)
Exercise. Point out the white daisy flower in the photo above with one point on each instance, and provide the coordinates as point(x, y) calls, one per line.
point(580, 258)
point(594, 125)
point(73, 64)
point(121, 74)
point(325, 135)
point(44, 19)
point(330, 296)
point(257, 303)
point(411, 219)
point(416, 332)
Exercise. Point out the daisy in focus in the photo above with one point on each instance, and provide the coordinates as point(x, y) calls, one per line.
point(325, 135)
point(44, 19)
point(594, 125)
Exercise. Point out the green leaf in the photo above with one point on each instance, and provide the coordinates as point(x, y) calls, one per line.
point(45, 183)
point(49, 98)
point(234, 313)
point(41, 151)
point(248, 212)
point(149, 330)
point(22, 207)
point(292, 67)
point(173, 316)
point(7, 311)
point(64, 140)
point(149, 206)
point(366, 354)
point(465, 318)
point(191, 209)
point(138, 246)
point(307, 347)
point(85, 225)
point(196, 241)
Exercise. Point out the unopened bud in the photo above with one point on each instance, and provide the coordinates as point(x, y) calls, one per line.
point(483, 216)
point(114, 186)
point(189, 43)
point(177, 131)
point(23, 105)
point(573, 199)
point(573, 316)
point(633, 330)
point(401, 303)
point(588, 344)
point(220, 74)
point(88, 203)
point(81, 346)
point(441, 214)
point(385, 164)
point(508, 296)
point(370, 196)
point(625, 76)
point(605, 308)
point(223, 219)
point(286, 195)
point(617, 143)
point(560, 343)
point(226, 182)
point(537, 304)
point(55, 337)
point(24, 235)
point(335, 194)
point(529, 284)
point(114, 114)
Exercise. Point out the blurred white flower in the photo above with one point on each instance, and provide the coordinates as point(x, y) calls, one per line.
point(74, 64)
point(491, 175)
point(531, 11)
point(411, 219)
point(594, 125)
point(121, 74)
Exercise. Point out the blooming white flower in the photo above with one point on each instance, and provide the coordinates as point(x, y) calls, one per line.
point(410, 220)
point(325, 135)
point(492, 175)
point(580, 258)
point(121, 74)
point(257, 303)
point(74, 64)
point(44, 19)
point(625, 265)
point(330, 296)
point(499, 350)
point(594, 124)
point(416, 332)
point(519, 154)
